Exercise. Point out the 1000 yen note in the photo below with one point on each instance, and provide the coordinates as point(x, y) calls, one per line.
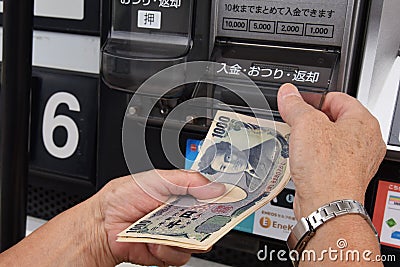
point(249, 156)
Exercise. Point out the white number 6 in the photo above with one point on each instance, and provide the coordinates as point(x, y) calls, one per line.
point(51, 122)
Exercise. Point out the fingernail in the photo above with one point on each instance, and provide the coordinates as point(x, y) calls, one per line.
point(288, 89)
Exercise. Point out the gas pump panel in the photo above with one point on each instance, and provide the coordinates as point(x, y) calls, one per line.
point(143, 38)
point(81, 101)
point(148, 36)
point(314, 44)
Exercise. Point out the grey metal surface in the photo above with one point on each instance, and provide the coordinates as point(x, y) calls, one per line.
point(394, 137)
point(380, 73)
point(381, 47)
point(317, 22)
point(345, 26)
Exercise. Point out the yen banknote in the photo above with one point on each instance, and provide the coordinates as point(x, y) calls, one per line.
point(250, 156)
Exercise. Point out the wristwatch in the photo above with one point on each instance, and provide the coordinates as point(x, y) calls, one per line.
point(306, 227)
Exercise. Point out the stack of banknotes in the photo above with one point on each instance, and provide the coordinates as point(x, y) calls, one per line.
point(250, 156)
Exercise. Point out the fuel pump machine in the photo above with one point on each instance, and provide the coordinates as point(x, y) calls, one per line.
point(314, 44)
point(91, 60)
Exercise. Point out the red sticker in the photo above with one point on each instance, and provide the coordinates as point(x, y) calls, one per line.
point(193, 147)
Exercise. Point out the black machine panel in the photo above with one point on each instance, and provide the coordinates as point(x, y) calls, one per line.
point(64, 124)
point(62, 169)
point(148, 36)
point(148, 16)
point(131, 54)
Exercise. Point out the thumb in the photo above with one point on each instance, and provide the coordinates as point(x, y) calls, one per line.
point(291, 105)
point(161, 184)
point(202, 188)
point(180, 182)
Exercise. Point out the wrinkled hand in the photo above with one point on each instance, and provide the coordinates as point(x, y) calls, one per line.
point(334, 153)
point(122, 202)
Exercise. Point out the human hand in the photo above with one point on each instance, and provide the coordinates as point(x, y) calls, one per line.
point(122, 202)
point(334, 153)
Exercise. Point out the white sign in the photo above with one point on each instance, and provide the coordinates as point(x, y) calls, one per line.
point(274, 221)
point(149, 19)
point(71, 9)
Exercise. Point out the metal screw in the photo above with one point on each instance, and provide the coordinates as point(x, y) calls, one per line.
point(132, 110)
point(189, 119)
